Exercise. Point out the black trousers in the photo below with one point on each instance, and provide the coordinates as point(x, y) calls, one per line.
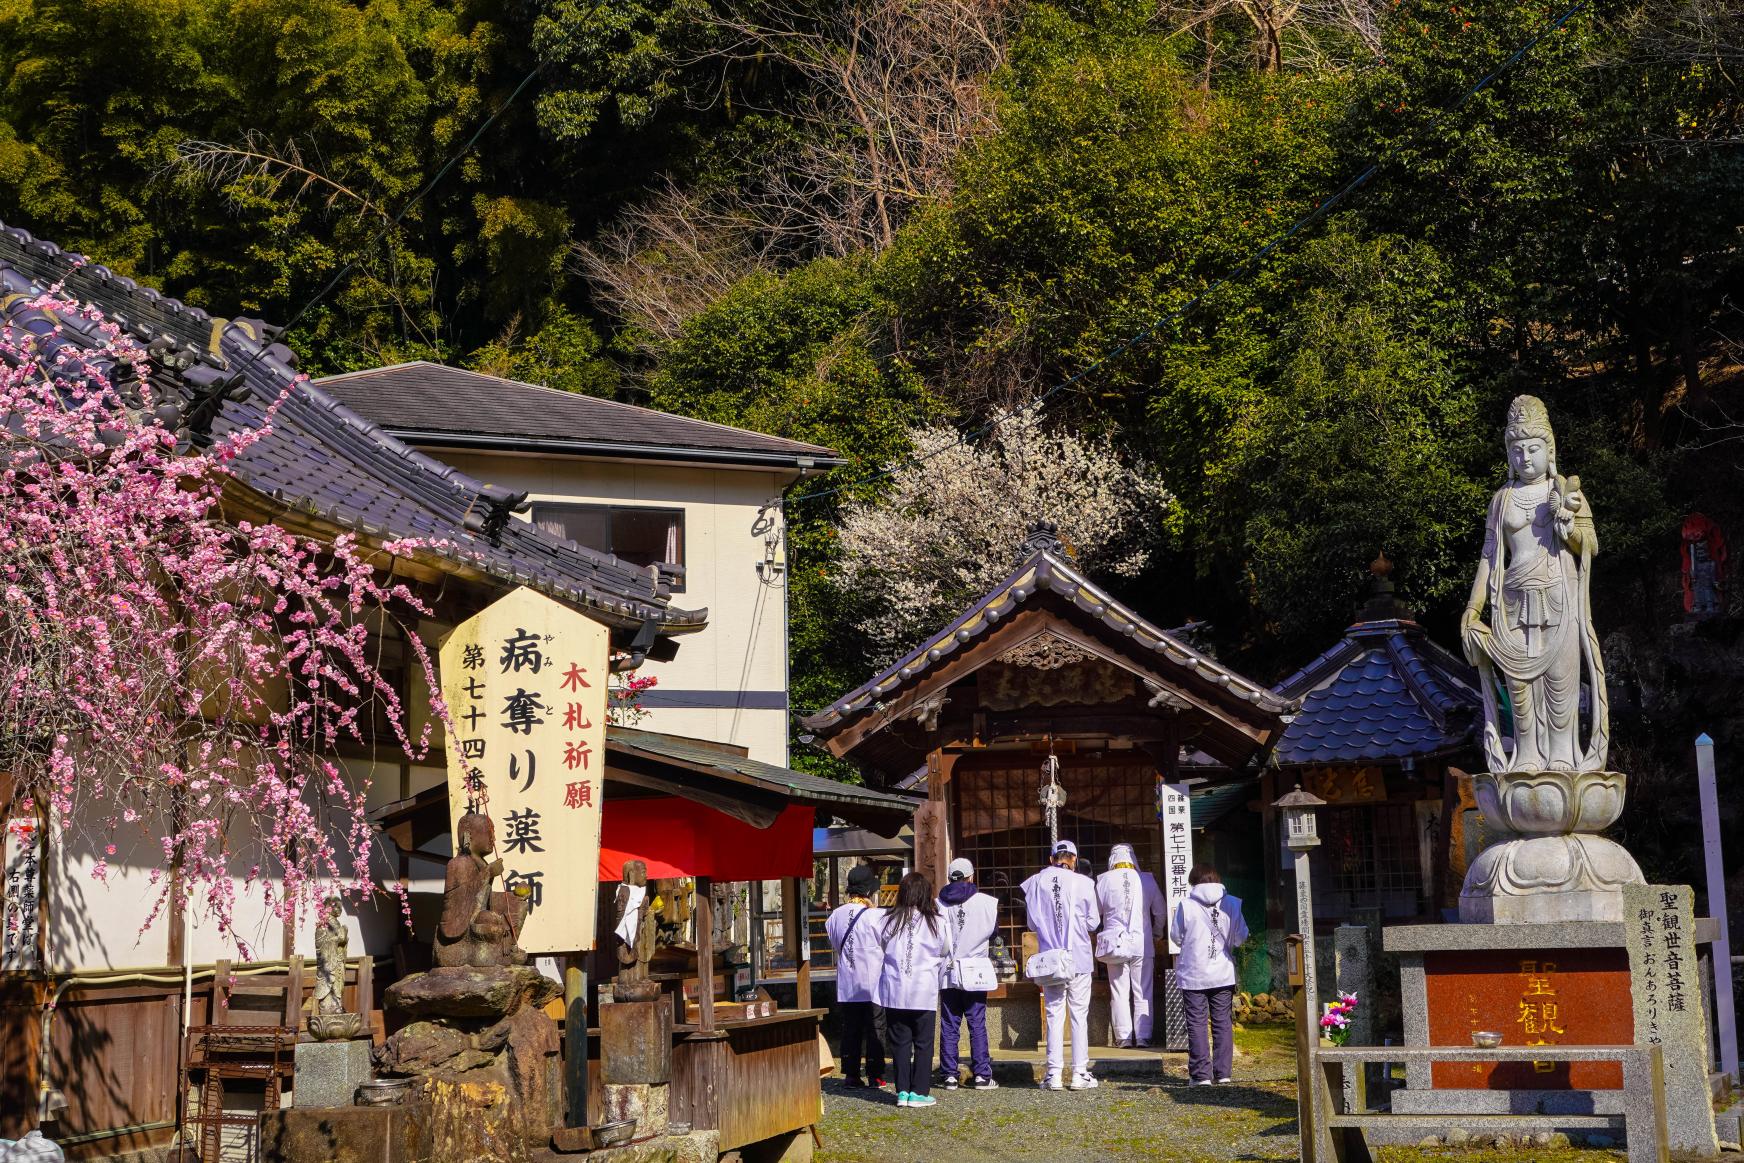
point(911, 1048)
point(860, 1029)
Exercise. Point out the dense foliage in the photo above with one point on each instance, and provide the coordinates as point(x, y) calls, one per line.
point(715, 206)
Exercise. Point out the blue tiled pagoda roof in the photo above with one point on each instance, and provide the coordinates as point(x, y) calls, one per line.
point(1383, 693)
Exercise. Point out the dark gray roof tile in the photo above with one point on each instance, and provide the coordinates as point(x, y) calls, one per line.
point(433, 404)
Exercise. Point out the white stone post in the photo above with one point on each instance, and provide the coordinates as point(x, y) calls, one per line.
point(1722, 947)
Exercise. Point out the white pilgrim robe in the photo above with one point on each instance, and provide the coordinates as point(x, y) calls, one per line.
point(914, 964)
point(1131, 899)
point(1062, 910)
point(859, 963)
point(1208, 924)
point(971, 925)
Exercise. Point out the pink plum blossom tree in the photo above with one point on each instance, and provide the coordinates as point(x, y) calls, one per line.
point(167, 668)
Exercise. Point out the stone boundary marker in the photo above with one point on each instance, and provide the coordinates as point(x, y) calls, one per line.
point(1660, 930)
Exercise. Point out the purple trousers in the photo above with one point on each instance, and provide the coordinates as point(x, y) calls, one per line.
point(957, 1004)
point(1209, 1007)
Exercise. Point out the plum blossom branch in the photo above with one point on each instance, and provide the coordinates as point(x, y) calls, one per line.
point(166, 669)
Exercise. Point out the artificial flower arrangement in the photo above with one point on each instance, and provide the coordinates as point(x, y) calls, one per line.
point(1335, 1022)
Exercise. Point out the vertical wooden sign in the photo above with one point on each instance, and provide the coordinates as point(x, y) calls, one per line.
point(1175, 814)
point(19, 929)
point(525, 684)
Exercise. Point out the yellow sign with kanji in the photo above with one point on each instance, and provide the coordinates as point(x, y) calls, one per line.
point(525, 684)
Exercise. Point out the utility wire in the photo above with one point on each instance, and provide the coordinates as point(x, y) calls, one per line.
point(1027, 413)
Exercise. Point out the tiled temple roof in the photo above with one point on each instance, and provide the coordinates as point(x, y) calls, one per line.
point(1045, 577)
point(321, 459)
point(432, 404)
point(1383, 693)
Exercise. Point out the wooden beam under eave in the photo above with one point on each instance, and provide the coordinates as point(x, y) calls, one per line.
point(1233, 729)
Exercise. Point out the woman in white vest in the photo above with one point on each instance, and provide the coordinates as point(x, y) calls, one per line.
point(1208, 927)
point(1134, 913)
point(915, 948)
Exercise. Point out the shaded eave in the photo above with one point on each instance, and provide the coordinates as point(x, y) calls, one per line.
point(614, 450)
point(1044, 582)
point(198, 354)
point(715, 775)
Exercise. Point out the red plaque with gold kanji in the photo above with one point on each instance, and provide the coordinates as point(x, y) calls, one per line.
point(1549, 997)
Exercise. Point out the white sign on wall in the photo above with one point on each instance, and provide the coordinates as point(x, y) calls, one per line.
point(23, 856)
point(1175, 814)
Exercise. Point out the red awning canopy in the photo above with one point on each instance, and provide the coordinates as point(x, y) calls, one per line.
point(677, 837)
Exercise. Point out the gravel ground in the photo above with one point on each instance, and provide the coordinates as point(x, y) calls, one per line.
point(1152, 1117)
point(1156, 1116)
point(1120, 1120)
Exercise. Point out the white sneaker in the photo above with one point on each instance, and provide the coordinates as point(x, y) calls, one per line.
point(1052, 1082)
point(1084, 1081)
point(1226, 1080)
point(1201, 1082)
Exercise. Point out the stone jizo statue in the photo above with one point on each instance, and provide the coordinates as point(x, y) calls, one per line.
point(635, 931)
point(1533, 582)
point(478, 927)
point(328, 1019)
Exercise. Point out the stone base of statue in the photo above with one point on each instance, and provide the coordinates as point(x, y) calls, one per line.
point(484, 1055)
point(1562, 984)
point(327, 1074)
point(1555, 868)
point(357, 1134)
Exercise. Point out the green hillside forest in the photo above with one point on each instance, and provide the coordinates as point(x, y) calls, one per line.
point(879, 224)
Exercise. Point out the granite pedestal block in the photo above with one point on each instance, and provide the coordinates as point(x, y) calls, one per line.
point(329, 1073)
point(1563, 984)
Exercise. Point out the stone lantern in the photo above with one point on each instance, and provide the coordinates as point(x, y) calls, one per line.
point(1300, 830)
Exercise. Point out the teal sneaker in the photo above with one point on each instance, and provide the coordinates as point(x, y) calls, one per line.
point(903, 1098)
point(922, 1100)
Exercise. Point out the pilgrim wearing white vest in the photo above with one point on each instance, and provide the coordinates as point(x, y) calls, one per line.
point(970, 916)
point(1208, 926)
point(915, 948)
point(855, 931)
point(1062, 911)
point(1131, 901)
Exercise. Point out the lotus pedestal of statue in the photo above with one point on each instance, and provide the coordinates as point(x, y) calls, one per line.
point(1555, 866)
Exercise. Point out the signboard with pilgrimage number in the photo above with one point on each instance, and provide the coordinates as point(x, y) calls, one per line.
point(1175, 814)
point(23, 863)
point(525, 684)
point(1175, 818)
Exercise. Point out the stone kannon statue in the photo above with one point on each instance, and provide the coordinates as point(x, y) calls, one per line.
point(329, 1021)
point(635, 930)
point(478, 927)
point(1533, 578)
point(331, 942)
point(1546, 789)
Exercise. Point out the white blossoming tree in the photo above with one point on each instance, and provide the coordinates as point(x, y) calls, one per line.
point(949, 527)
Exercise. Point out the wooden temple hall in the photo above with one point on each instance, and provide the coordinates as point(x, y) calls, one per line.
point(1047, 663)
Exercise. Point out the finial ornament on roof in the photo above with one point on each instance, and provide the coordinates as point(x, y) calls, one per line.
point(1044, 537)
